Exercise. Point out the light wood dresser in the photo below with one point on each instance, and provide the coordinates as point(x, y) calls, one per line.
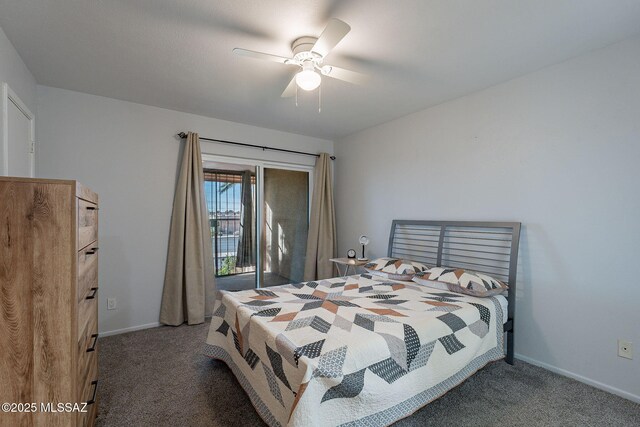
point(48, 302)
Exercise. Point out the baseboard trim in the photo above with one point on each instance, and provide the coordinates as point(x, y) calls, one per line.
point(130, 329)
point(589, 381)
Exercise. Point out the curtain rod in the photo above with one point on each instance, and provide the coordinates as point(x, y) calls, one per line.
point(244, 144)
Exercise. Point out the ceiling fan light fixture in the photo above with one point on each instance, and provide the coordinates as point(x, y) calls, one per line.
point(308, 79)
point(308, 57)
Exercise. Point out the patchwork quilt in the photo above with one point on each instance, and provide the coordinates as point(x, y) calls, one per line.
point(351, 351)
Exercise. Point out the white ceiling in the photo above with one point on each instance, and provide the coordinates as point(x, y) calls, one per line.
point(177, 54)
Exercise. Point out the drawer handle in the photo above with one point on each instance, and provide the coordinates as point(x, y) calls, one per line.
point(94, 291)
point(95, 391)
point(92, 251)
point(93, 346)
point(92, 208)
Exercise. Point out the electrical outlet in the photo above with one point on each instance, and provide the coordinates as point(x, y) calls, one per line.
point(111, 303)
point(625, 349)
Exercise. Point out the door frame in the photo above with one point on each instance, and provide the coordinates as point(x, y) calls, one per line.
point(260, 165)
point(8, 95)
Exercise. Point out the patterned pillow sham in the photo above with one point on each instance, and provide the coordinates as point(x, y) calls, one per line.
point(462, 281)
point(420, 279)
point(394, 268)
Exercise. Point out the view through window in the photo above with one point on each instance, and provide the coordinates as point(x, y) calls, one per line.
point(224, 195)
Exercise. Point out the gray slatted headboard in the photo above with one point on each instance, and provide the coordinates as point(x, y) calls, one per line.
point(486, 247)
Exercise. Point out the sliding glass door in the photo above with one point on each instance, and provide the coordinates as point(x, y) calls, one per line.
point(286, 223)
point(259, 219)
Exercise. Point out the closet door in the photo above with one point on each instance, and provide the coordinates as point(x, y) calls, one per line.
point(16, 140)
point(285, 225)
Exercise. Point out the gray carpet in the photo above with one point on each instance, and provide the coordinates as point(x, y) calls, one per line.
point(159, 377)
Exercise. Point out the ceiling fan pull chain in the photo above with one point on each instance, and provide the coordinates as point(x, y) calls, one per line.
point(296, 95)
point(320, 99)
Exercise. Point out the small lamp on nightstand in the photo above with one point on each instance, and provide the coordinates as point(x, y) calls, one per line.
point(364, 241)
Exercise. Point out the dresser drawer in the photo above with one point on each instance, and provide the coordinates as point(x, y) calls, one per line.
point(87, 271)
point(87, 223)
point(87, 372)
point(87, 312)
point(88, 386)
point(87, 368)
point(88, 341)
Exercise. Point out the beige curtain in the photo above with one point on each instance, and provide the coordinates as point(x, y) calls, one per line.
point(321, 243)
point(189, 278)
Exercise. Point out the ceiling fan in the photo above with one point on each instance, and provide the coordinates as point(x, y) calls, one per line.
point(308, 55)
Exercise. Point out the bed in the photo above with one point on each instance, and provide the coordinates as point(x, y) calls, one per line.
point(364, 350)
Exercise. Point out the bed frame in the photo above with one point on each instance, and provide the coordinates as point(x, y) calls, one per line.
point(485, 247)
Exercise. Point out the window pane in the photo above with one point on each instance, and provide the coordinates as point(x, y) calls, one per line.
point(224, 197)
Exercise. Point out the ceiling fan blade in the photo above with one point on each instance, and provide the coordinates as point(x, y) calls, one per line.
point(331, 36)
point(345, 75)
point(260, 55)
point(290, 90)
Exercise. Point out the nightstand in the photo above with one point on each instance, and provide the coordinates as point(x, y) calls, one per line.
point(348, 262)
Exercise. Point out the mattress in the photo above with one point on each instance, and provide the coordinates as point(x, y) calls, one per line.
point(352, 351)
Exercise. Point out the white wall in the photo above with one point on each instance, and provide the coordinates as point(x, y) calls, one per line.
point(16, 74)
point(128, 154)
point(559, 151)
